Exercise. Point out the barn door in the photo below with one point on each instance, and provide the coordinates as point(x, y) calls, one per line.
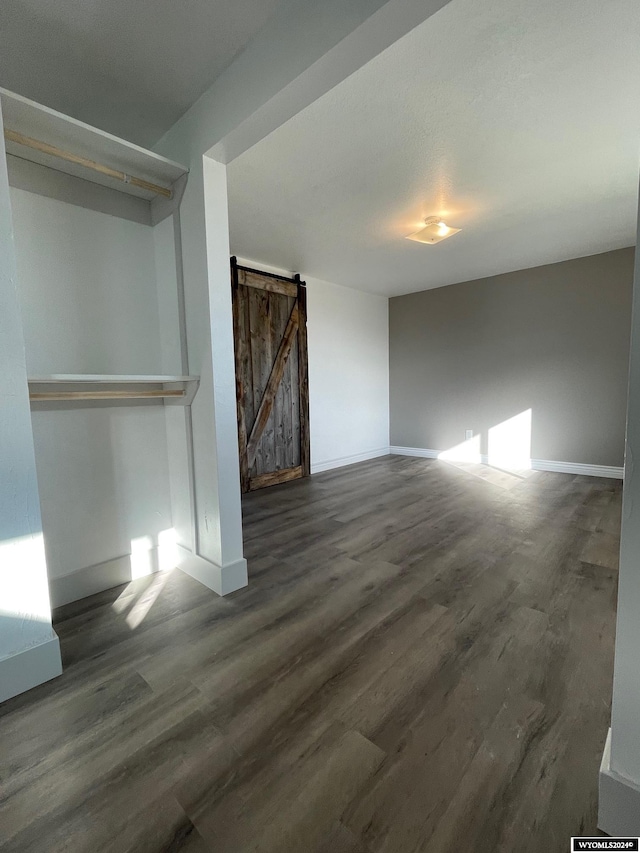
point(270, 333)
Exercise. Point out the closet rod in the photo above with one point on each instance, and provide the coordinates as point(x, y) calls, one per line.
point(45, 148)
point(46, 396)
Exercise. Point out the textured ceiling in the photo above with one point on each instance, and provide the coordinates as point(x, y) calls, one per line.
point(519, 122)
point(131, 67)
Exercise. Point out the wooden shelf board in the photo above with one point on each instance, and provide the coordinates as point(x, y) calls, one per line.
point(115, 378)
point(154, 394)
point(69, 387)
point(46, 125)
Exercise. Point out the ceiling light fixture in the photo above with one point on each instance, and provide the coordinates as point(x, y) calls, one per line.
point(435, 231)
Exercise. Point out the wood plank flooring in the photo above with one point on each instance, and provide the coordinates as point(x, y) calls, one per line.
point(422, 662)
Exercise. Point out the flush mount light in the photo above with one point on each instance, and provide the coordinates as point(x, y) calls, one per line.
point(435, 231)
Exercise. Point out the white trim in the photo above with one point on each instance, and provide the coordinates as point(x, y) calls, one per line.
point(29, 668)
point(619, 800)
point(611, 471)
point(221, 579)
point(317, 467)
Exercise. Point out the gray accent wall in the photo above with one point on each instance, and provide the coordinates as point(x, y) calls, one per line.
point(552, 339)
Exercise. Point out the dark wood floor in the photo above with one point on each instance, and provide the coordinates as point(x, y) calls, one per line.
point(422, 662)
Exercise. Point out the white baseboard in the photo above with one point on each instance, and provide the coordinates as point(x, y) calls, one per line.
point(93, 579)
point(613, 472)
point(619, 800)
point(29, 668)
point(317, 467)
point(413, 451)
point(221, 579)
point(115, 572)
point(90, 580)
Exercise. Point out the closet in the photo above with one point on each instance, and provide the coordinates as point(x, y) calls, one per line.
point(97, 238)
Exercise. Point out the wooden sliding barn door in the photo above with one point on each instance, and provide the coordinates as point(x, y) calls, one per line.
point(270, 334)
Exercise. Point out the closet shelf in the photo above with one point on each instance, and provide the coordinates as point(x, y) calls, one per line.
point(82, 388)
point(42, 135)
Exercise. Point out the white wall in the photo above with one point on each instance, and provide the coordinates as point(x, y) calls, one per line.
point(87, 288)
point(29, 649)
point(348, 374)
point(619, 807)
point(348, 342)
point(104, 482)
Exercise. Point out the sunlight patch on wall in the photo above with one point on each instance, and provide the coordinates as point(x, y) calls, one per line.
point(149, 555)
point(143, 557)
point(510, 443)
point(167, 549)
